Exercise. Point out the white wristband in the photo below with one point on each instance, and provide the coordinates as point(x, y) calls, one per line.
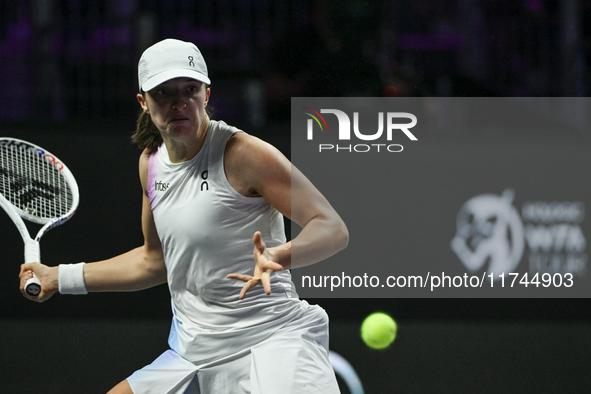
point(71, 279)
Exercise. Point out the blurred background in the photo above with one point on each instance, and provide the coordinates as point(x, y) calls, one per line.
point(68, 81)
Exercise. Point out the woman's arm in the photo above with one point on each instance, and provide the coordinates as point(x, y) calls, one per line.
point(255, 168)
point(138, 269)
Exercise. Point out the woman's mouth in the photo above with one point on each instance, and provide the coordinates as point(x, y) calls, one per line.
point(180, 119)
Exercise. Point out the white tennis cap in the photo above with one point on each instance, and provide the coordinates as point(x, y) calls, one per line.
point(170, 59)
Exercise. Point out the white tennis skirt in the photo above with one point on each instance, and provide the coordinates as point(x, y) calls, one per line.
point(292, 360)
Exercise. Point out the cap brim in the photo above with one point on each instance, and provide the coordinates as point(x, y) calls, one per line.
point(157, 79)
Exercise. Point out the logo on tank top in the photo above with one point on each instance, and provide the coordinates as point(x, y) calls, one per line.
point(204, 184)
point(161, 186)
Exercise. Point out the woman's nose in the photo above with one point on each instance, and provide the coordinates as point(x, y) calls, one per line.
point(179, 102)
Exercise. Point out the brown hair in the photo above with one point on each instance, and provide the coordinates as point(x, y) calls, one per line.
point(146, 136)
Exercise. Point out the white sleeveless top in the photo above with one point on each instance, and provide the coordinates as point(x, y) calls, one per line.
point(206, 230)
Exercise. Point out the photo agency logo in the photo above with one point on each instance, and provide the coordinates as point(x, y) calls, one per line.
point(358, 136)
point(491, 231)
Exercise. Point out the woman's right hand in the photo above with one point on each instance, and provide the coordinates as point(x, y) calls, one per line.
point(48, 276)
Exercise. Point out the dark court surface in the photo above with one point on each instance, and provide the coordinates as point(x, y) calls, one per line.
point(447, 356)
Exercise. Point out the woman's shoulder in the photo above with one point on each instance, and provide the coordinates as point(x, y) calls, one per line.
point(145, 158)
point(253, 160)
point(242, 146)
point(144, 165)
point(220, 130)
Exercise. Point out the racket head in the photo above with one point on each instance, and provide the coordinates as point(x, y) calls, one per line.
point(38, 186)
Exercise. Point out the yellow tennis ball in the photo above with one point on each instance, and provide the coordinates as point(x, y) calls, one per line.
point(378, 330)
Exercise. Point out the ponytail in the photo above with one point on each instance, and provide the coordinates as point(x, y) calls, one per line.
point(146, 135)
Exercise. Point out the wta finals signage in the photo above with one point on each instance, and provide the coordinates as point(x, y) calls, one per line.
point(492, 234)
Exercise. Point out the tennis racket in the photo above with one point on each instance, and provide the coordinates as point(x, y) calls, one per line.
point(35, 186)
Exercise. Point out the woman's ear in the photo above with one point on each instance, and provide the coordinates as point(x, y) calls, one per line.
point(142, 101)
point(207, 93)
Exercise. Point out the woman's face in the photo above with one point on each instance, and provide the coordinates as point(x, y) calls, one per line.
point(177, 107)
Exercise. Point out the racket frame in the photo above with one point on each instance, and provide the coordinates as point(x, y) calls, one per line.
point(32, 251)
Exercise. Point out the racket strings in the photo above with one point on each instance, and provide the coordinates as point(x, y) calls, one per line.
point(33, 183)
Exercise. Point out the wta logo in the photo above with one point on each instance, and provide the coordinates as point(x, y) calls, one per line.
point(388, 123)
point(491, 232)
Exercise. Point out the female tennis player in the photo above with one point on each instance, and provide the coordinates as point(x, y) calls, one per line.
point(212, 194)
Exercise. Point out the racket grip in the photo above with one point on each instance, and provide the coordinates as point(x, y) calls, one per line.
point(32, 255)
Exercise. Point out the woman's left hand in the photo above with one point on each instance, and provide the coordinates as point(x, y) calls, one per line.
point(264, 267)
